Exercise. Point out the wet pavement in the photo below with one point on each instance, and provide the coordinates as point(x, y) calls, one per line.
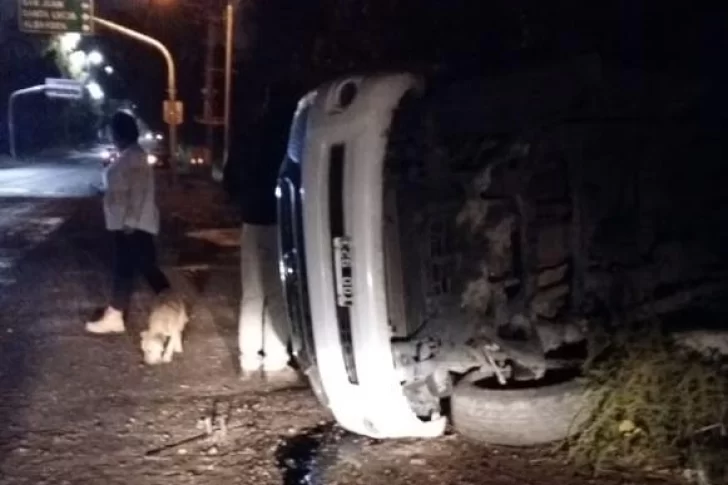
point(46, 178)
point(83, 409)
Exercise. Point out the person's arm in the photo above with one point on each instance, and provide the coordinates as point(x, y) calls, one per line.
point(118, 192)
point(136, 177)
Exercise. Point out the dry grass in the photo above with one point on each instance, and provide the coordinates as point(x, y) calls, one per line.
point(657, 406)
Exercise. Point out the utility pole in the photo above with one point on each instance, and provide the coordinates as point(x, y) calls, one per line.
point(229, 31)
point(208, 92)
point(209, 118)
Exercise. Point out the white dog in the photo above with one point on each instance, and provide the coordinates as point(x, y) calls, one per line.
point(167, 322)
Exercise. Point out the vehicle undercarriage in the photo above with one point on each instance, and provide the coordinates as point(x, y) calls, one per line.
point(506, 249)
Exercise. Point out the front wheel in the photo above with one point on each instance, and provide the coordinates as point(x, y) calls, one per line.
point(483, 412)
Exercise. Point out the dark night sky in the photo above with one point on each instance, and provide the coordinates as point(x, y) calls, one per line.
point(467, 33)
point(299, 44)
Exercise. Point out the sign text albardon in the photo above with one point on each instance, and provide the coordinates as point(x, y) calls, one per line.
point(56, 16)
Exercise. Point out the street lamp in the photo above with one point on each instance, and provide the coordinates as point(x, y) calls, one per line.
point(95, 91)
point(77, 61)
point(70, 41)
point(95, 58)
point(109, 70)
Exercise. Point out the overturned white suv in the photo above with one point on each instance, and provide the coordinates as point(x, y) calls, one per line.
point(435, 252)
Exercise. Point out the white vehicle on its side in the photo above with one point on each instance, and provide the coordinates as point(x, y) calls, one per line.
point(431, 255)
point(332, 260)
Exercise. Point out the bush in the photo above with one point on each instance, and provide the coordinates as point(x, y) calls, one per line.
point(657, 406)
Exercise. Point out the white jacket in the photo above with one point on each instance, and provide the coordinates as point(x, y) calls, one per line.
point(129, 197)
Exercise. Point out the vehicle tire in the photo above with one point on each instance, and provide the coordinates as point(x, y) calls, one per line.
point(520, 417)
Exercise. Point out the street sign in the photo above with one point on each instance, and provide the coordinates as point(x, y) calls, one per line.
point(173, 113)
point(56, 16)
point(63, 88)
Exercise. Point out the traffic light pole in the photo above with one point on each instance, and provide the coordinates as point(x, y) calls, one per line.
point(171, 80)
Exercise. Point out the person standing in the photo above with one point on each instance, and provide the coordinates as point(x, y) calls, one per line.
point(263, 334)
point(132, 217)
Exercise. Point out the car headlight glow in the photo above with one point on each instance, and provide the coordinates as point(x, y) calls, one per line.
point(151, 159)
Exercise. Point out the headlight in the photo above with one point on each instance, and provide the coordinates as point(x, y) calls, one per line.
point(151, 159)
point(160, 136)
point(106, 154)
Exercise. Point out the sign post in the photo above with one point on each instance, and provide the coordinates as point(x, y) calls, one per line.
point(11, 113)
point(56, 16)
point(53, 88)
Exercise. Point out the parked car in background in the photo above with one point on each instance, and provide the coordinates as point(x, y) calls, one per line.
point(191, 159)
point(157, 150)
point(195, 158)
point(152, 144)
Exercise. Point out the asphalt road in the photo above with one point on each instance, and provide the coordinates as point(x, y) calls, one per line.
point(30, 211)
point(48, 178)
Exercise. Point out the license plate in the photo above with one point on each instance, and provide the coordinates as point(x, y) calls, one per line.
point(343, 272)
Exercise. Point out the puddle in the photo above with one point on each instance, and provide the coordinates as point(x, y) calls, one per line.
point(306, 457)
point(298, 456)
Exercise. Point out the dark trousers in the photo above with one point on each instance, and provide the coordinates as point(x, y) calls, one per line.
point(134, 253)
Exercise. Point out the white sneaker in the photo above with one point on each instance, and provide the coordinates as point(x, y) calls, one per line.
point(112, 321)
point(251, 363)
point(275, 364)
